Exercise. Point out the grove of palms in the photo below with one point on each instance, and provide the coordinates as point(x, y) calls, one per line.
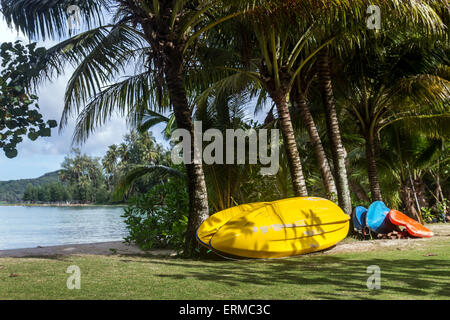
point(341, 92)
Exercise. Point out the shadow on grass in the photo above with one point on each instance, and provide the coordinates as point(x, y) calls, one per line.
point(338, 277)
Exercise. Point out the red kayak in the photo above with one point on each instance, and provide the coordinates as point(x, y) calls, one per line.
point(413, 227)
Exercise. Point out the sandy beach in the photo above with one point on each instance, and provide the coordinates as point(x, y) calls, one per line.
point(102, 248)
point(118, 247)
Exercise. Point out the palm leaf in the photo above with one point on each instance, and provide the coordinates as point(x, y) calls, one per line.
point(72, 51)
point(151, 119)
point(158, 171)
point(131, 97)
point(100, 66)
point(49, 18)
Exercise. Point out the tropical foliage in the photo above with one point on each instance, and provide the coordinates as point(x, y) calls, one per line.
point(94, 180)
point(12, 191)
point(19, 112)
point(158, 218)
point(48, 193)
point(363, 113)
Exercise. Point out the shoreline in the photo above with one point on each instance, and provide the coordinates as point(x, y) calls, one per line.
point(59, 205)
point(441, 231)
point(98, 248)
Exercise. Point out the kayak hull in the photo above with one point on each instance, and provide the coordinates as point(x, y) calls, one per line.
point(413, 227)
point(377, 220)
point(211, 225)
point(359, 218)
point(276, 229)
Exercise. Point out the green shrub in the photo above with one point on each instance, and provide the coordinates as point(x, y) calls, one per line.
point(158, 219)
point(435, 214)
point(427, 215)
point(441, 209)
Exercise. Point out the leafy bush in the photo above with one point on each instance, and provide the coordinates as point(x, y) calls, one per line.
point(158, 219)
point(19, 112)
point(427, 215)
point(436, 213)
point(442, 210)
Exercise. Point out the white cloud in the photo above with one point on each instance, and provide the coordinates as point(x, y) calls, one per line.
point(8, 35)
point(45, 154)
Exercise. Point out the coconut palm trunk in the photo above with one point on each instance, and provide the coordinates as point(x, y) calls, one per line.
point(198, 199)
point(413, 197)
point(321, 157)
point(372, 170)
point(290, 145)
point(337, 148)
point(359, 191)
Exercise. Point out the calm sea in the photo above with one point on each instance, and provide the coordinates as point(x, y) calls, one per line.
point(29, 227)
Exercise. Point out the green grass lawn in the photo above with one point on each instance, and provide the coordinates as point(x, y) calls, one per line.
point(409, 273)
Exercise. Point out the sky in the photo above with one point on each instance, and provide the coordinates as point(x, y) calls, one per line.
point(44, 155)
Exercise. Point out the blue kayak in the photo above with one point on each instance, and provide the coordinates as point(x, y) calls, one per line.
point(377, 219)
point(359, 218)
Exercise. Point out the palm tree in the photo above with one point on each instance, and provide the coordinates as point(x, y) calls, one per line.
point(410, 156)
point(227, 183)
point(398, 83)
point(155, 34)
point(299, 100)
point(161, 37)
point(109, 163)
point(350, 34)
point(275, 76)
point(437, 171)
point(337, 147)
point(395, 14)
point(283, 57)
point(284, 45)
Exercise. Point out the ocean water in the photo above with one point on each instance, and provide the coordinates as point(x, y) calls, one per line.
point(29, 227)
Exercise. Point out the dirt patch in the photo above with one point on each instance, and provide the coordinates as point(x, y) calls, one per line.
point(439, 230)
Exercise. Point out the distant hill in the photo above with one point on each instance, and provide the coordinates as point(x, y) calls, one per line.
point(12, 191)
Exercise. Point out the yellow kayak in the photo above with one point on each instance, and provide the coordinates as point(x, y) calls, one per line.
point(275, 229)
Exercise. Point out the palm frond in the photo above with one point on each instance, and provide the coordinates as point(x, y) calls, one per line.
point(100, 66)
point(49, 18)
point(421, 89)
point(427, 153)
point(71, 51)
point(150, 119)
point(132, 97)
point(421, 100)
point(236, 82)
point(159, 171)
